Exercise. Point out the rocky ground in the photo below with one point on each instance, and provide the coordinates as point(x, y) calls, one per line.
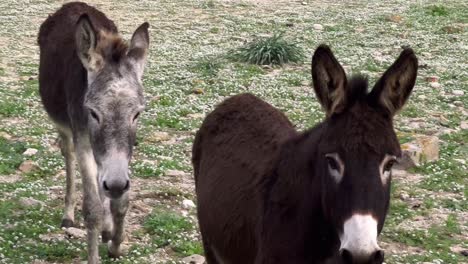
point(189, 73)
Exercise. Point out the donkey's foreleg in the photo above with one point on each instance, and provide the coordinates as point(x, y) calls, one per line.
point(68, 152)
point(119, 209)
point(107, 224)
point(92, 206)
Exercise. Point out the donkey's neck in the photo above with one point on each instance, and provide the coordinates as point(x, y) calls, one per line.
point(293, 211)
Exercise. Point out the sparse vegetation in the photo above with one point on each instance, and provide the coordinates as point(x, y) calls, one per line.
point(274, 50)
point(427, 220)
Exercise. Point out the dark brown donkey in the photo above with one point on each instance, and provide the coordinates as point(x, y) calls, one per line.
point(269, 194)
point(90, 84)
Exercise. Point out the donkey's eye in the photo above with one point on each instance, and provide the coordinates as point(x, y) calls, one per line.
point(332, 163)
point(94, 115)
point(136, 116)
point(388, 166)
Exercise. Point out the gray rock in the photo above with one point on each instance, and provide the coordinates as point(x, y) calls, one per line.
point(458, 92)
point(194, 259)
point(421, 150)
point(318, 27)
point(187, 204)
point(30, 202)
point(75, 232)
point(30, 152)
point(28, 166)
point(464, 125)
point(175, 173)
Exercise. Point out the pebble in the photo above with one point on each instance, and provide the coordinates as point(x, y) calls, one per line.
point(198, 91)
point(28, 166)
point(175, 173)
point(187, 204)
point(458, 92)
point(464, 125)
point(75, 232)
point(30, 202)
point(318, 27)
point(194, 259)
point(159, 136)
point(434, 85)
point(30, 152)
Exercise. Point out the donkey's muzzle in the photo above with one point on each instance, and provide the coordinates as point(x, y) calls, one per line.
point(116, 188)
point(376, 257)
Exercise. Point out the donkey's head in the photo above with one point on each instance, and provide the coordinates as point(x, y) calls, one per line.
point(358, 148)
point(114, 98)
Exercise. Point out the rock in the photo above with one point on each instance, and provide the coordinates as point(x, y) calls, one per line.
point(75, 232)
point(30, 152)
point(394, 18)
point(196, 115)
point(318, 27)
point(435, 85)
point(198, 91)
point(30, 202)
point(159, 137)
point(404, 196)
point(464, 125)
point(304, 3)
point(458, 92)
point(187, 204)
point(174, 173)
point(28, 166)
point(5, 135)
point(421, 150)
point(194, 259)
point(51, 237)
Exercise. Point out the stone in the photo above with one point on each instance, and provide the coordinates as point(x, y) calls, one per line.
point(318, 27)
point(458, 92)
point(187, 204)
point(419, 151)
point(194, 259)
point(464, 125)
point(174, 173)
point(75, 232)
point(404, 196)
point(159, 136)
point(51, 237)
point(198, 91)
point(435, 85)
point(28, 166)
point(30, 152)
point(395, 18)
point(30, 202)
point(5, 135)
point(196, 115)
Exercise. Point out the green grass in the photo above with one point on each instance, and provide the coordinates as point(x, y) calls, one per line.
point(170, 229)
point(10, 155)
point(437, 10)
point(274, 50)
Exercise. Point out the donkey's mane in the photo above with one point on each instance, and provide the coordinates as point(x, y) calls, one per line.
point(112, 46)
point(357, 89)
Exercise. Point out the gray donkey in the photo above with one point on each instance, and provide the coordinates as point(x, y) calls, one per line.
point(90, 85)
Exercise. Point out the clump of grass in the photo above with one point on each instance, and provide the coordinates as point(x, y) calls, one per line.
point(272, 50)
point(438, 10)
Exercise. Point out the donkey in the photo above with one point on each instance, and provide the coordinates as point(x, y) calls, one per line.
point(90, 82)
point(269, 194)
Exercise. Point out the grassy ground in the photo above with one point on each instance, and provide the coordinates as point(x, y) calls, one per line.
point(189, 43)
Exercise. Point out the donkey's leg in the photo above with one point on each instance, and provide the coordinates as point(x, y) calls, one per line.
point(92, 206)
point(119, 209)
point(107, 224)
point(68, 152)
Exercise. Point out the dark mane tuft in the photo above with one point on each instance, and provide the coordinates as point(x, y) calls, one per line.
point(357, 88)
point(112, 46)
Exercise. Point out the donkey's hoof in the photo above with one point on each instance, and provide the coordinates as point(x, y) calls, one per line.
point(116, 251)
point(106, 236)
point(66, 223)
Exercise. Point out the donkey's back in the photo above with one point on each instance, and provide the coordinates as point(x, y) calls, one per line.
point(60, 66)
point(233, 153)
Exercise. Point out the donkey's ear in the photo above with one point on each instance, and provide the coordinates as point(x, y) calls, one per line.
point(393, 89)
point(139, 46)
point(329, 80)
point(86, 40)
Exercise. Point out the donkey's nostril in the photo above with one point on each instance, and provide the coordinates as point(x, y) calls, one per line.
point(378, 257)
point(105, 186)
point(127, 186)
point(346, 256)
